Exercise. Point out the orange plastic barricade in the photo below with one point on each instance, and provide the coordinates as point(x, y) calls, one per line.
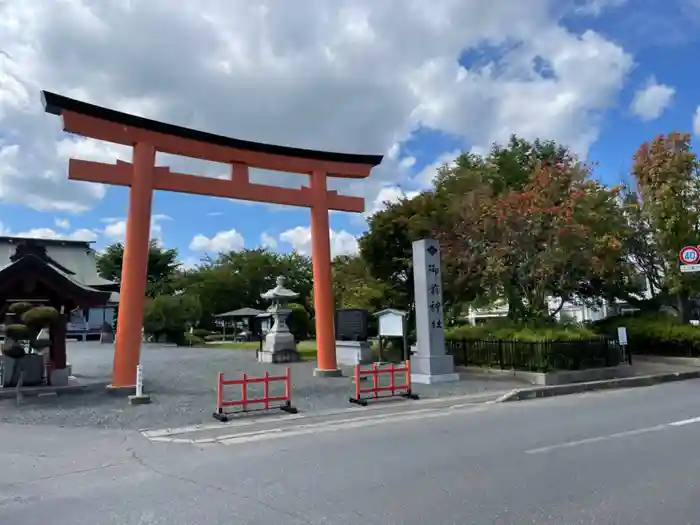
point(268, 402)
point(393, 389)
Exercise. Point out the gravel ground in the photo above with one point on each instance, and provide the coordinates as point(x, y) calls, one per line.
point(182, 386)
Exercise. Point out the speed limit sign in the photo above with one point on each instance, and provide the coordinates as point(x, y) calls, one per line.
point(690, 255)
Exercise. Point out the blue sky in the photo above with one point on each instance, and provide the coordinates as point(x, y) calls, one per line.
point(602, 76)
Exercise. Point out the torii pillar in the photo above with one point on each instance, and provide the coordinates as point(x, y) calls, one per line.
point(142, 176)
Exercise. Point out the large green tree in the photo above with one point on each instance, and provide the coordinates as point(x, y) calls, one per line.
point(521, 223)
point(236, 279)
point(386, 246)
point(504, 168)
point(559, 233)
point(667, 217)
point(171, 316)
point(355, 287)
point(163, 267)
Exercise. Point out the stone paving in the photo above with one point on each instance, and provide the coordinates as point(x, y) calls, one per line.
point(182, 385)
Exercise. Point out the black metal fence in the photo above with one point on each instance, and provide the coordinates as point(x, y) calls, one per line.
point(538, 356)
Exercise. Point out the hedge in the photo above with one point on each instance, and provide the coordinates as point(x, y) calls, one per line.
point(514, 332)
point(655, 334)
point(536, 348)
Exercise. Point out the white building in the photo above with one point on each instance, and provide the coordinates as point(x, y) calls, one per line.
point(80, 260)
point(574, 312)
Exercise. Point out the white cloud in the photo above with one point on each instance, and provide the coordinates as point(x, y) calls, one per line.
point(224, 241)
point(696, 122)
point(426, 176)
point(596, 7)
point(268, 241)
point(389, 195)
point(421, 181)
point(81, 234)
point(651, 100)
point(342, 242)
point(115, 230)
point(374, 72)
point(215, 214)
point(190, 263)
point(62, 223)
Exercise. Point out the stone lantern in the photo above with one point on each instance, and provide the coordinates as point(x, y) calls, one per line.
point(279, 346)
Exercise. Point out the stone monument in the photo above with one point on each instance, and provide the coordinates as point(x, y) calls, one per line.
point(106, 333)
point(279, 346)
point(430, 362)
point(351, 333)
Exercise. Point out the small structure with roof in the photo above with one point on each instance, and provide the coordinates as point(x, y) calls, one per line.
point(32, 275)
point(79, 259)
point(254, 323)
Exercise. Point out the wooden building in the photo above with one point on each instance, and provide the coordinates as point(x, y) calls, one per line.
point(77, 261)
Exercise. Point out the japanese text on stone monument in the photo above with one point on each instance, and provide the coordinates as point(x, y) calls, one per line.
point(433, 281)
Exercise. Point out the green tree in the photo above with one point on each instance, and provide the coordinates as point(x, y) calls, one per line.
point(299, 322)
point(171, 316)
point(531, 228)
point(355, 287)
point(235, 280)
point(506, 167)
point(163, 267)
point(386, 246)
point(667, 174)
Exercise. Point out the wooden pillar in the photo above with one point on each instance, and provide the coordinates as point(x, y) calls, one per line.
point(323, 279)
point(134, 268)
point(57, 349)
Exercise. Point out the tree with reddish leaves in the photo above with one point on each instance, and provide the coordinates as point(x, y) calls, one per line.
point(557, 233)
point(667, 205)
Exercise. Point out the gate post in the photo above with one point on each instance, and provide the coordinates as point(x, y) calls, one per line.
point(323, 280)
point(134, 268)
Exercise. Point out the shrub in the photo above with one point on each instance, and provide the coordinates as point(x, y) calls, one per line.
point(526, 333)
point(19, 308)
point(194, 340)
point(169, 316)
point(40, 317)
point(17, 332)
point(201, 332)
point(14, 351)
point(299, 322)
point(655, 334)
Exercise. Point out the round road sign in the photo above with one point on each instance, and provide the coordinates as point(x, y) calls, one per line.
point(690, 255)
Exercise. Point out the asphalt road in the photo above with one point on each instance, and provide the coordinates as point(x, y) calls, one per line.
point(619, 457)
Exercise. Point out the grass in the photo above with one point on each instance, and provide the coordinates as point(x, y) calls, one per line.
point(307, 349)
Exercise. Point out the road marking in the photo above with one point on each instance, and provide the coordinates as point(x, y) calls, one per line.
point(685, 422)
point(161, 432)
point(378, 410)
point(312, 428)
point(341, 425)
point(626, 433)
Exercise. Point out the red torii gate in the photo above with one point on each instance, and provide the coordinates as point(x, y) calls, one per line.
point(143, 176)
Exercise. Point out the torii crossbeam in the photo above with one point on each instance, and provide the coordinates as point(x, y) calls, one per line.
point(142, 176)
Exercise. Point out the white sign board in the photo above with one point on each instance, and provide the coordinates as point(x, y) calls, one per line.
point(622, 335)
point(391, 324)
point(690, 268)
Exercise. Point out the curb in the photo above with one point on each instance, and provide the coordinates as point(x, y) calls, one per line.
point(592, 386)
point(43, 391)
